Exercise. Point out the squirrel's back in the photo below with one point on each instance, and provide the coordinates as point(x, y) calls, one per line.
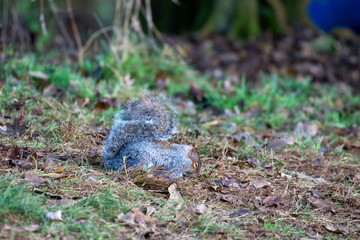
point(151, 118)
point(152, 108)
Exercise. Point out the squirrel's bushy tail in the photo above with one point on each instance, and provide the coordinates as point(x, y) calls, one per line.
point(152, 117)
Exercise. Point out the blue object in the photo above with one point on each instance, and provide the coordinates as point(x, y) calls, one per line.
point(331, 14)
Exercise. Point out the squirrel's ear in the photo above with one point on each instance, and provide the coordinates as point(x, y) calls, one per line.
point(193, 154)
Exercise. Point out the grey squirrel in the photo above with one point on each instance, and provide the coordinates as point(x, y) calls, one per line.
point(139, 136)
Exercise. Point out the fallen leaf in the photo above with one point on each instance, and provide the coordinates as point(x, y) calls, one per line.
point(141, 217)
point(60, 169)
point(316, 162)
point(60, 202)
point(230, 183)
point(305, 129)
point(53, 175)
point(335, 230)
point(150, 210)
point(39, 75)
point(351, 145)
point(34, 179)
point(174, 194)
point(16, 127)
point(253, 162)
point(318, 194)
point(3, 130)
point(135, 218)
point(161, 80)
point(29, 228)
point(16, 103)
point(37, 111)
point(180, 217)
point(259, 183)
point(272, 201)
point(54, 215)
point(95, 172)
point(266, 165)
point(277, 144)
point(196, 92)
point(306, 177)
point(105, 103)
point(344, 131)
point(322, 205)
point(15, 153)
point(49, 194)
point(22, 114)
point(128, 219)
point(239, 213)
point(39, 154)
point(201, 208)
point(24, 165)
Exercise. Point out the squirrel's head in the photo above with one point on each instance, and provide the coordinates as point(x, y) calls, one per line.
point(193, 155)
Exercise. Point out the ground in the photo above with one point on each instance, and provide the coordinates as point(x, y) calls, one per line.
point(280, 158)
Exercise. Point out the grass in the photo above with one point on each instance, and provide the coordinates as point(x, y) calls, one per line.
point(18, 204)
point(69, 133)
point(284, 229)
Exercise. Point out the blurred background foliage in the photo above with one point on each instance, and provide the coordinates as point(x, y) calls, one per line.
point(38, 22)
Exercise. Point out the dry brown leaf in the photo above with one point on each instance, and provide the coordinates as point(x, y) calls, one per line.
point(232, 199)
point(239, 213)
point(260, 183)
point(335, 230)
point(196, 92)
point(174, 194)
point(272, 201)
point(95, 172)
point(306, 129)
point(29, 228)
point(105, 103)
point(16, 127)
point(128, 219)
point(135, 218)
point(141, 217)
point(322, 205)
point(34, 179)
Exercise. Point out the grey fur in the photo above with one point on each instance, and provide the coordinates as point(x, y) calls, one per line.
point(135, 136)
point(173, 161)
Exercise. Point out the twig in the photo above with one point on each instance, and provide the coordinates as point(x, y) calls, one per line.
point(60, 24)
point(154, 29)
point(102, 26)
point(124, 164)
point(75, 30)
point(48, 103)
point(42, 17)
point(117, 19)
point(5, 23)
point(15, 26)
point(92, 38)
point(106, 36)
point(149, 19)
point(125, 41)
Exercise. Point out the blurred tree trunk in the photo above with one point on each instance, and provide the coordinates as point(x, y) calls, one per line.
point(246, 21)
point(219, 17)
point(296, 11)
